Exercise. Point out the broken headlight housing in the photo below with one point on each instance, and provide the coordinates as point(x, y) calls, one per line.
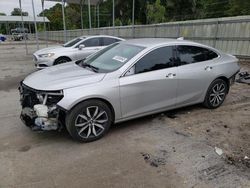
point(30, 97)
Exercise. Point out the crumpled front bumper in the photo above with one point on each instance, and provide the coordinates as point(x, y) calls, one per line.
point(40, 114)
point(47, 122)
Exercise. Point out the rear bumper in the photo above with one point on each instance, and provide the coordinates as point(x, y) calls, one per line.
point(233, 78)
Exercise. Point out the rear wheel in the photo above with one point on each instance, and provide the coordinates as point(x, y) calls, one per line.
point(61, 60)
point(216, 94)
point(89, 120)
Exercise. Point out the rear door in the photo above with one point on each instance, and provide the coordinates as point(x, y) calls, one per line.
point(196, 70)
point(150, 84)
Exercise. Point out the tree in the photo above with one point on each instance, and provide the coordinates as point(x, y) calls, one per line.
point(155, 12)
point(17, 12)
point(2, 14)
point(146, 11)
point(215, 8)
point(239, 7)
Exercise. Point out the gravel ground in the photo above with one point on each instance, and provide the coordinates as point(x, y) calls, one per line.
point(171, 149)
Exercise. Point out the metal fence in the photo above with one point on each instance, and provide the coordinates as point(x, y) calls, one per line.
point(230, 34)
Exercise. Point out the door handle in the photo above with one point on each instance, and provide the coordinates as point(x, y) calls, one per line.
point(171, 75)
point(208, 68)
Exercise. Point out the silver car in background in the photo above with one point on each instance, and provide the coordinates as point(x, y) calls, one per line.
point(76, 49)
point(126, 80)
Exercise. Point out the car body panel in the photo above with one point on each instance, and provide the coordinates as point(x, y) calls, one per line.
point(147, 91)
point(193, 80)
point(62, 77)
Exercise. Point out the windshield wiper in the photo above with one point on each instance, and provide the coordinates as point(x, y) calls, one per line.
point(95, 69)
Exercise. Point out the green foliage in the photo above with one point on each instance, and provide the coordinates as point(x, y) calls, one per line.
point(2, 14)
point(155, 12)
point(17, 12)
point(118, 22)
point(146, 12)
point(239, 7)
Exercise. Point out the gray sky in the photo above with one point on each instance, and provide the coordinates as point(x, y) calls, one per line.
point(7, 6)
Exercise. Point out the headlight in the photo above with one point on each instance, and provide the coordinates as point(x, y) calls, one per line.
point(46, 55)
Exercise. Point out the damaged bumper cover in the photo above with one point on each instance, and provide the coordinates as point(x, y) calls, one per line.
point(39, 109)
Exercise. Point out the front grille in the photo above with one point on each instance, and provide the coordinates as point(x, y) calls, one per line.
point(29, 96)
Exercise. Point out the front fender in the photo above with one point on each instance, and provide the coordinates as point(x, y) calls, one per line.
point(106, 90)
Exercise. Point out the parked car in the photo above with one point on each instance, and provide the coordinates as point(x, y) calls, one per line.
point(19, 34)
point(126, 80)
point(2, 38)
point(76, 49)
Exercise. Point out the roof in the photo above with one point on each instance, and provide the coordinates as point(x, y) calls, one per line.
point(157, 42)
point(150, 42)
point(19, 19)
point(92, 2)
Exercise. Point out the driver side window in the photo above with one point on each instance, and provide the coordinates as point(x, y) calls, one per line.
point(157, 59)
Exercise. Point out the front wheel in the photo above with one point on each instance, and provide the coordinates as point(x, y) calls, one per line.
point(61, 60)
point(89, 120)
point(216, 94)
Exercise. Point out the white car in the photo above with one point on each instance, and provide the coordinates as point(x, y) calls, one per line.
point(76, 49)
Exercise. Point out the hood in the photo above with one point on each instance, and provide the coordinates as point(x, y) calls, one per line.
point(49, 50)
point(61, 77)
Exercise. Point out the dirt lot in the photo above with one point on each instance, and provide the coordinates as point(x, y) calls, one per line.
point(172, 149)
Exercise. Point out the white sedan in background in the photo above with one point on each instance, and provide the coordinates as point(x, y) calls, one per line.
point(76, 49)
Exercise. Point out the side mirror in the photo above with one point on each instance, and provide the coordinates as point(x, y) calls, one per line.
point(81, 46)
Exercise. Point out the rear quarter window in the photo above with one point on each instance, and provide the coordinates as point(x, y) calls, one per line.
point(194, 54)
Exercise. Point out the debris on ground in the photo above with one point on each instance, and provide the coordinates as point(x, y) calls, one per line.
point(153, 160)
point(244, 77)
point(238, 161)
point(171, 115)
point(218, 151)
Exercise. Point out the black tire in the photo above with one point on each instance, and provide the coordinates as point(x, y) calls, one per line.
point(216, 94)
point(80, 115)
point(61, 60)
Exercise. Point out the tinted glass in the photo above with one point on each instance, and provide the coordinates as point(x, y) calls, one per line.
point(72, 42)
point(113, 57)
point(194, 54)
point(160, 58)
point(92, 42)
point(107, 41)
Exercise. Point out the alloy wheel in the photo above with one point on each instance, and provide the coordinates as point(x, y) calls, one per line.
point(91, 123)
point(217, 94)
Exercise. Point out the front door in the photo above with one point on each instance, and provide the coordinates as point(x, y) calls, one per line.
point(152, 85)
point(92, 45)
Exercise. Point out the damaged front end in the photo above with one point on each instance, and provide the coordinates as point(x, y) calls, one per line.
point(39, 109)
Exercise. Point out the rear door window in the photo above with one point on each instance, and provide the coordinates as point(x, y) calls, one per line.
point(193, 54)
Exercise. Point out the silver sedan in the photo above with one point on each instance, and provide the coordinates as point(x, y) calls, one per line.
point(77, 48)
point(126, 80)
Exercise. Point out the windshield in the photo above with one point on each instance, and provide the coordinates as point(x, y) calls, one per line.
point(72, 42)
point(112, 57)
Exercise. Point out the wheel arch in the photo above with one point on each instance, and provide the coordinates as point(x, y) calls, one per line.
point(224, 78)
point(100, 99)
point(60, 57)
